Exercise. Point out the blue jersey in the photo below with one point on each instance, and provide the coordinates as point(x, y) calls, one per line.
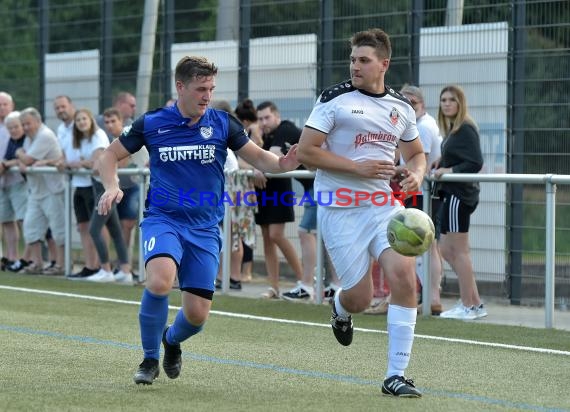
point(186, 162)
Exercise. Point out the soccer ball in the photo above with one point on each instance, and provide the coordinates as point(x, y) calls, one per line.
point(410, 232)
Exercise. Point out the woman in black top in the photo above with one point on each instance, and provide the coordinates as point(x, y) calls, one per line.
point(460, 153)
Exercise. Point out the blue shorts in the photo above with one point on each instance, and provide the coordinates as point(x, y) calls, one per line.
point(309, 220)
point(195, 251)
point(128, 208)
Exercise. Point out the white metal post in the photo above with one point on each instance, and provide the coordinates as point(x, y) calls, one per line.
point(426, 257)
point(549, 274)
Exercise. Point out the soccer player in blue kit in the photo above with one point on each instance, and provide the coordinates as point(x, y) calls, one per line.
point(187, 143)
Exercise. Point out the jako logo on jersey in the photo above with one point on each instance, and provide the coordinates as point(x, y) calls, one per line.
point(394, 116)
point(206, 132)
point(370, 137)
point(205, 153)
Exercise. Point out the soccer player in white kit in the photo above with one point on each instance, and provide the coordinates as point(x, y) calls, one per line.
point(351, 137)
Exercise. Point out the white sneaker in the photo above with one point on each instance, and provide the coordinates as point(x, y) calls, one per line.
point(480, 311)
point(102, 276)
point(464, 313)
point(124, 277)
point(451, 313)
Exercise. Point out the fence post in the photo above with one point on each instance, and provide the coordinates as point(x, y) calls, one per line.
point(142, 198)
point(549, 281)
point(319, 271)
point(426, 257)
point(226, 245)
point(68, 264)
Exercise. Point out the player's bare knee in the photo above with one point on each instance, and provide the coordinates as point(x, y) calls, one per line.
point(356, 302)
point(196, 316)
point(159, 284)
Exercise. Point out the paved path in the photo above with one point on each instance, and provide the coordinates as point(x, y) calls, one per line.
point(499, 312)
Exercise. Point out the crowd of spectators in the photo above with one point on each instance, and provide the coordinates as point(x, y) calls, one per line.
point(31, 203)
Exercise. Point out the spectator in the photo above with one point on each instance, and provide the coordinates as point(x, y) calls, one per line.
point(429, 136)
point(64, 111)
point(13, 197)
point(308, 239)
point(76, 157)
point(181, 235)
point(431, 139)
point(247, 115)
point(91, 141)
point(351, 136)
point(242, 215)
point(431, 142)
point(273, 210)
point(460, 153)
point(45, 191)
point(6, 106)
point(126, 104)
point(128, 209)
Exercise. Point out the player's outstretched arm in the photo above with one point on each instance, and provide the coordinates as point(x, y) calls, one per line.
point(107, 168)
point(267, 161)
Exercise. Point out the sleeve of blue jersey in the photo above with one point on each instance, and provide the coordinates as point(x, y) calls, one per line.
point(133, 136)
point(237, 136)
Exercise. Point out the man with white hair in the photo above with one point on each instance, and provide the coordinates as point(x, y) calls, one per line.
point(46, 191)
point(431, 142)
point(6, 106)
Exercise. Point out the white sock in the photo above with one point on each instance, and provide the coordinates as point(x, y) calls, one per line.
point(339, 309)
point(401, 324)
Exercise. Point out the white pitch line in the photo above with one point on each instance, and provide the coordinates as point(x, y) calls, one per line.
point(292, 322)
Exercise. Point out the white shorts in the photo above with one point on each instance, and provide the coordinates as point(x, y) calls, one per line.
point(13, 202)
point(42, 214)
point(352, 236)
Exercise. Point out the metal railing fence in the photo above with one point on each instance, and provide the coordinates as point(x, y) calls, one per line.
point(549, 181)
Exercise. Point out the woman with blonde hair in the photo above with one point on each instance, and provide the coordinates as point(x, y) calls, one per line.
point(90, 140)
point(77, 153)
point(460, 153)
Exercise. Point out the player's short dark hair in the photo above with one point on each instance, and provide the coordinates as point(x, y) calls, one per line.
point(192, 67)
point(375, 38)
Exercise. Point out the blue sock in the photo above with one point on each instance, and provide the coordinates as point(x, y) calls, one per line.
point(153, 315)
point(181, 329)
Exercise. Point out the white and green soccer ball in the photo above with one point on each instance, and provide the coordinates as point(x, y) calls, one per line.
point(410, 232)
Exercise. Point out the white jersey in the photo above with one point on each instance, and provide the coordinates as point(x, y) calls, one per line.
point(359, 126)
